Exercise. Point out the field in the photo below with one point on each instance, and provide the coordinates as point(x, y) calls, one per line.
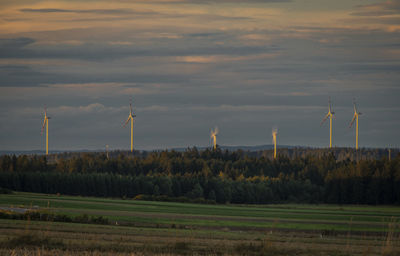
point(164, 228)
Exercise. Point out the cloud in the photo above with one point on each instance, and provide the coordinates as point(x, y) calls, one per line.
point(64, 110)
point(215, 1)
point(26, 76)
point(154, 108)
point(90, 11)
point(15, 43)
point(378, 20)
point(89, 109)
point(16, 48)
point(227, 108)
point(111, 88)
point(123, 14)
point(391, 7)
point(205, 34)
point(371, 67)
point(21, 75)
point(258, 108)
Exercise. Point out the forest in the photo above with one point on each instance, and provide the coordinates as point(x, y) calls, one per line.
point(337, 176)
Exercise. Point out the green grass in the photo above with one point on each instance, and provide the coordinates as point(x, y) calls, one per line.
point(289, 216)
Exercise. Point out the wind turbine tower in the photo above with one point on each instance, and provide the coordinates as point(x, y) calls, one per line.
point(274, 133)
point(130, 118)
point(213, 136)
point(46, 123)
point(330, 116)
point(355, 118)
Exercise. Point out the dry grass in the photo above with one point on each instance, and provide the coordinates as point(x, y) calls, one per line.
point(74, 239)
point(45, 252)
point(389, 247)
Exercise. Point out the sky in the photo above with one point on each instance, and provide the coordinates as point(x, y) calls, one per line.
point(190, 65)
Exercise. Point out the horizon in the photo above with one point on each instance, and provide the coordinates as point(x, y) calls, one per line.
point(222, 147)
point(193, 65)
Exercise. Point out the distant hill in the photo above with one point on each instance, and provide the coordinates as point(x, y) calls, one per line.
point(244, 148)
point(291, 152)
point(230, 148)
point(42, 152)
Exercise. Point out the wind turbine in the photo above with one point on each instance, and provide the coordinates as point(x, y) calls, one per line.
point(274, 133)
point(46, 123)
point(130, 117)
point(330, 115)
point(355, 117)
point(213, 136)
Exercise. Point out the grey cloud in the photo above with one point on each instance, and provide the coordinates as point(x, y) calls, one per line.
point(18, 75)
point(97, 18)
point(382, 12)
point(203, 35)
point(217, 1)
point(371, 67)
point(214, 17)
point(354, 41)
point(93, 11)
point(213, 36)
point(123, 14)
point(373, 19)
point(97, 52)
point(63, 110)
point(238, 1)
point(24, 76)
point(380, 9)
point(15, 43)
point(208, 17)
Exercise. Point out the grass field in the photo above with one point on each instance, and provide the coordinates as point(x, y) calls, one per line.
point(166, 228)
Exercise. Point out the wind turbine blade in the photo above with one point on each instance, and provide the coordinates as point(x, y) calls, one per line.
point(129, 118)
point(44, 123)
point(323, 120)
point(352, 121)
point(329, 104)
point(355, 105)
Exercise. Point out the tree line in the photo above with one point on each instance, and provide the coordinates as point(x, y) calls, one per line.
point(212, 175)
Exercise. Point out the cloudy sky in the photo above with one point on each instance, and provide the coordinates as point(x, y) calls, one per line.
point(191, 65)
